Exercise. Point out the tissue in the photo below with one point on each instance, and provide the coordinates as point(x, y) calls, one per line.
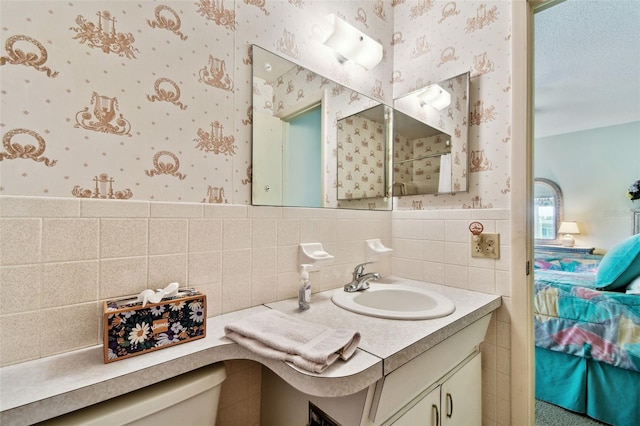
point(150, 296)
point(132, 329)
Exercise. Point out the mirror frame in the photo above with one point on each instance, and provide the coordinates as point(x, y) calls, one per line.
point(558, 209)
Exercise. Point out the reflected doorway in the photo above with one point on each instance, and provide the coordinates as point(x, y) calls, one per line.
point(302, 171)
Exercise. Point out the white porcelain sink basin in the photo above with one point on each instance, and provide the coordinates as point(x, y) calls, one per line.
point(395, 301)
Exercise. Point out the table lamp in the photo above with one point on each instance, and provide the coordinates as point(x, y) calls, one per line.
point(568, 229)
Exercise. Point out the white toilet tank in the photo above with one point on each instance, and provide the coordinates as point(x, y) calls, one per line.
point(188, 399)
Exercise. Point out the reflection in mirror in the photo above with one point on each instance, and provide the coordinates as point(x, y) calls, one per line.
point(420, 153)
point(295, 146)
point(431, 139)
point(361, 154)
point(547, 213)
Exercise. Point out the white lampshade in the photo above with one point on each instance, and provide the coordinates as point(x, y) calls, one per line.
point(569, 228)
point(435, 96)
point(349, 44)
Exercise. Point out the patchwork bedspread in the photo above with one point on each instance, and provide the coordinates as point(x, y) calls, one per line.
point(571, 316)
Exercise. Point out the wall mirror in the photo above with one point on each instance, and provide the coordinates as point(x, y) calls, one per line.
point(431, 139)
point(547, 211)
point(298, 116)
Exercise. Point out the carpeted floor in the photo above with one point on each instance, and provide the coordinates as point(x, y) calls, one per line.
point(552, 415)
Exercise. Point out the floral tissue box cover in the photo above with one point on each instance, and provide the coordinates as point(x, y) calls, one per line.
point(130, 329)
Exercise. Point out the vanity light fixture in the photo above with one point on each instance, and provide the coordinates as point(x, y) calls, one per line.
point(349, 44)
point(435, 96)
point(568, 228)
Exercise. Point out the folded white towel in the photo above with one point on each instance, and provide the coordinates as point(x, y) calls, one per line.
point(308, 346)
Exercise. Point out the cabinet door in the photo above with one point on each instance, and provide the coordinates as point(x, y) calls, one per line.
point(461, 396)
point(425, 413)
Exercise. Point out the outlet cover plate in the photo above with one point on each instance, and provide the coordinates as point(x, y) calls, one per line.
point(486, 245)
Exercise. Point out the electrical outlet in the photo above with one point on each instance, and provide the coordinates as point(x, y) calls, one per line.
point(485, 245)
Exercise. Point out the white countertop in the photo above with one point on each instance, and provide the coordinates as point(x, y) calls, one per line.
point(37, 390)
point(397, 341)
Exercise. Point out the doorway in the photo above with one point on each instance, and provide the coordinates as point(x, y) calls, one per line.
point(586, 80)
point(302, 171)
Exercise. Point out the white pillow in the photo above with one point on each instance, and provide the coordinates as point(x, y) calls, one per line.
point(634, 286)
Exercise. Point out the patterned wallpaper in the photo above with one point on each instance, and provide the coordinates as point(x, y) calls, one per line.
point(152, 100)
point(149, 100)
point(361, 158)
point(423, 174)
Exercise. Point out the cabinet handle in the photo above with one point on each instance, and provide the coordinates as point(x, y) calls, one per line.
point(434, 410)
point(449, 405)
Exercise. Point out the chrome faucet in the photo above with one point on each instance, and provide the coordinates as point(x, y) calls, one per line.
point(360, 279)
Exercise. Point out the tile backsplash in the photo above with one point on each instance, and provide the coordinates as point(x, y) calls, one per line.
point(60, 258)
point(434, 246)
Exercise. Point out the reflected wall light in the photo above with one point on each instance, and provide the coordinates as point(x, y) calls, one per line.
point(435, 96)
point(568, 228)
point(349, 44)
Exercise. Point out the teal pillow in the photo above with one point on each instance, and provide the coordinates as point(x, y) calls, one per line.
point(620, 265)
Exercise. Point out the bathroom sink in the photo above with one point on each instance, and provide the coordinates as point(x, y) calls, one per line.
point(395, 301)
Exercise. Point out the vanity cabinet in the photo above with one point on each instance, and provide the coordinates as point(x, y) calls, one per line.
point(452, 366)
point(439, 387)
point(455, 401)
point(425, 412)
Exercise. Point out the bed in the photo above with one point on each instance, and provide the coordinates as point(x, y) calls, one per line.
point(587, 332)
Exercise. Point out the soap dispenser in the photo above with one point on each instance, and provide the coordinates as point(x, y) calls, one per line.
point(304, 292)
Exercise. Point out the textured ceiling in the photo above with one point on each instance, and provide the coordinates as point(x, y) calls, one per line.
point(587, 65)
